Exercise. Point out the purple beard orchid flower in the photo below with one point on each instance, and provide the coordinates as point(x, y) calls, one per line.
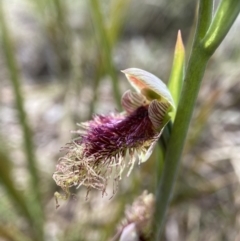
point(107, 145)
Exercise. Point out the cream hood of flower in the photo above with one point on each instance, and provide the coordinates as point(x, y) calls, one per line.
point(107, 145)
point(147, 83)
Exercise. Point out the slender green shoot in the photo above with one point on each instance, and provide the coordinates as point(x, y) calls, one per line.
point(17, 196)
point(105, 46)
point(27, 135)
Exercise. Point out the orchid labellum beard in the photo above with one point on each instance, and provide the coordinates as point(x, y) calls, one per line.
point(107, 145)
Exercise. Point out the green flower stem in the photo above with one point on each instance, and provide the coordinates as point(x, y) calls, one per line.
point(106, 47)
point(206, 13)
point(225, 16)
point(195, 70)
point(191, 86)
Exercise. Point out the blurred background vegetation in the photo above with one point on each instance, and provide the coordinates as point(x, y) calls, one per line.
point(60, 62)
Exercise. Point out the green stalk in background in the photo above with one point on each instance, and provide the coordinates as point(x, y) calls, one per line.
point(15, 194)
point(105, 45)
point(209, 34)
point(28, 141)
point(10, 231)
point(117, 15)
point(107, 36)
